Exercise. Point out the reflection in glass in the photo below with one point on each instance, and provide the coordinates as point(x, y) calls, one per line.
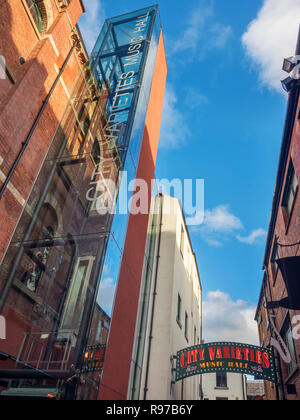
point(60, 273)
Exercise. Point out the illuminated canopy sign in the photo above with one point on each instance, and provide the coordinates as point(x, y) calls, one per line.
point(93, 359)
point(225, 357)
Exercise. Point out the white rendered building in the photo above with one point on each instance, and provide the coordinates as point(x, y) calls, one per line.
point(224, 386)
point(170, 309)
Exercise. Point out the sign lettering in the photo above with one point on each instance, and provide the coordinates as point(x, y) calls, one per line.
point(93, 359)
point(226, 357)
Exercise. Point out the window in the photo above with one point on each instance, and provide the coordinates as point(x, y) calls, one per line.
point(36, 14)
point(286, 333)
point(195, 335)
point(179, 310)
point(274, 258)
point(186, 326)
point(221, 380)
point(78, 290)
point(290, 191)
point(221, 399)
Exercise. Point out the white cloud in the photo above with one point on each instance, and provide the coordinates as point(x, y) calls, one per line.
point(219, 225)
point(214, 242)
point(202, 33)
point(174, 129)
point(221, 219)
point(194, 99)
point(271, 37)
point(194, 28)
point(106, 294)
point(228, 320)
point(91, 22)
point(221, 35)
point(253, 237)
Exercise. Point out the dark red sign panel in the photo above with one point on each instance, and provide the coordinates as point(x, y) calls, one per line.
point(226, 357)
point(93, 359)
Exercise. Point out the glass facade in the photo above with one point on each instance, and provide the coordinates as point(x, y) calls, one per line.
point(60, 272)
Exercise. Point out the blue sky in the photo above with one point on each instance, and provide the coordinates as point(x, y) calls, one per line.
point(223, 119)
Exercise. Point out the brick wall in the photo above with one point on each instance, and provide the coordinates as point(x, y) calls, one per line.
point(20, 102)
point(287, 232)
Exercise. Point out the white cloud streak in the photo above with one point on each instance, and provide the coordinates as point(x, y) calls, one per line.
point(221, 219)
point(203, 33)
point(271, 37)
point(174, 131)
point(91, 22)
point(253, 237)
point(220, 225)
point(227, 320)
point(106, 294)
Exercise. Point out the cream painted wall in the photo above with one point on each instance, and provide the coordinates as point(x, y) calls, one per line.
point(177, 275)
point(236, 387)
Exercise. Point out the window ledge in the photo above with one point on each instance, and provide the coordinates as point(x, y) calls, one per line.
point(26, 291)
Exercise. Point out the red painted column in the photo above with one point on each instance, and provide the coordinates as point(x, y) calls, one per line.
point(119, 352)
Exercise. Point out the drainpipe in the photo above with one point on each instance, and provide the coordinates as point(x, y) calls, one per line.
point(32, 130)
point(243, 387)
point(154, 297)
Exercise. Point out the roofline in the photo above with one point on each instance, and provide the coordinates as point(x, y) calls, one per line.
point(260, 297)
point(284, 153)
point(188, 233)
point(81, 39)
point(189, 238)
point(82, 5)
point(154, 6)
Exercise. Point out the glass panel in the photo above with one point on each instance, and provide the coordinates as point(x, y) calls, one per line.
point(294, 183)
point(35, 13)
point(51, 269)
point(60, 273)
point(73, 310)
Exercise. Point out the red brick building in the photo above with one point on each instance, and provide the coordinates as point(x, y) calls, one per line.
point(82, 124)
point(44, 57)
point(283, 245)
point(35, 40)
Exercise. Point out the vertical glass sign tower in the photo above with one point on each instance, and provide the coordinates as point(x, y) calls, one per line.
point(60, 274)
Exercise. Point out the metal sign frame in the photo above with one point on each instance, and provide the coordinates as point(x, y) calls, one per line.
point(226, 357)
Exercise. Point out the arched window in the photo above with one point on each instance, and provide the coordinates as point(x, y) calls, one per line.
point(41, 13)
point(36, 14)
